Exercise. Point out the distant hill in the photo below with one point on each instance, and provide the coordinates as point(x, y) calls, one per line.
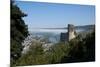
point(85, 27)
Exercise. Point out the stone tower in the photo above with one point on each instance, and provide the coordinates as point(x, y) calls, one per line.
point(71, 32)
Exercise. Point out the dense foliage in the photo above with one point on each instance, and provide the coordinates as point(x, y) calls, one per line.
point(18, 32)
point(77, 50)
point(81, 49)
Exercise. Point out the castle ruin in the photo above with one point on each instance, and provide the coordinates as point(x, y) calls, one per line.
point(71, 32)
point(68, 35)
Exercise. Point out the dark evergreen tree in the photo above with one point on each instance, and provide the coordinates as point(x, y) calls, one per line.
point(89, 43)
point(18, 30)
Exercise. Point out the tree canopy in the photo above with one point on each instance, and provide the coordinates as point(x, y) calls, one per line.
point(18, 30)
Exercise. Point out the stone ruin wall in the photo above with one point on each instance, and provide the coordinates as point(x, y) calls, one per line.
point(71, 32)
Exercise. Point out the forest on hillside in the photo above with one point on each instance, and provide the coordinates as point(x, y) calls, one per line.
point(77, 50)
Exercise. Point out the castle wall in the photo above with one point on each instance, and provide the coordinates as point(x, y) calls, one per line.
point(69, 35)
point(71, 32)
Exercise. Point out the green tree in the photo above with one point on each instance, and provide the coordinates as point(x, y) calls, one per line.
point(18, 30)
point(81, 49)
point(89, 43)
point(35, 55)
